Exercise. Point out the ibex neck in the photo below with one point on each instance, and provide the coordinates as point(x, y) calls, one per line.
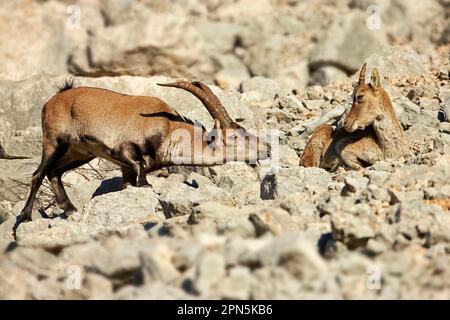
point(389, 132)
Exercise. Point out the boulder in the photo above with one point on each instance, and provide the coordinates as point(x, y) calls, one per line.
point(397, 61)
point(140, 46)
point(96, 219)
point(347, 43)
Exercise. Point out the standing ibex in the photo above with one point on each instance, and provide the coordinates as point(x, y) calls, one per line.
point(371, 131)
point(140, 134)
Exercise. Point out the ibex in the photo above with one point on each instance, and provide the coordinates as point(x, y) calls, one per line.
point(140, 134)
point(371, 131)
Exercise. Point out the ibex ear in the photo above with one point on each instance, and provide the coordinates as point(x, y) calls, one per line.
point(219, 131)
point(362, 74)
point(376, 81)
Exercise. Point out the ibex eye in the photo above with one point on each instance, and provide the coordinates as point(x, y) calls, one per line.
point(360, 98)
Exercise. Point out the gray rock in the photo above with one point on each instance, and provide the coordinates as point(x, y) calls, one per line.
point(300, 178)
point(295, 76)
point(377, 177)
point(353, 230)
point(15, 283)
point(267, 87)
point(397, 61)
point(239, 179)
point(180, 200)
point(354, 182)
point(429, 104)
point(96, 287)
point(297, 254)
point(237, 285)
point(26, 143)
point(327, 74)
point(5, 211)
point(401, 197)
point(51, 289)
point(315, 93)
point(53, 233)
point(15, 179)
point(378, 193)
point(446, 108)
point(313, 104)
point(37, 262)
point(336, 45)
point(413, 115)
point(375, 246)
point(116, 209)
point(423, 223)
point(45, 35)
point(231, 72)
point(274, 283)
point(218, 217)
point(97, 218)
point(119, 265)
point(151, 291)
point(157, 265)
point(288, 157)
point(140, 46)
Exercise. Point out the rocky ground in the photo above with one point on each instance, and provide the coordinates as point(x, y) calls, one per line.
point(231, 231)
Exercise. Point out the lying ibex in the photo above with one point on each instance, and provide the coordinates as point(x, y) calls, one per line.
point(4, 155)
point(371, 132)
point(140, 134)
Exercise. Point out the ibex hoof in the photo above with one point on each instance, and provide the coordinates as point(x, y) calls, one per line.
point(23, 217)
point(69, 210)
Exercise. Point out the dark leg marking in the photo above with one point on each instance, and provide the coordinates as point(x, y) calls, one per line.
point(50, 156)
point(69, 162)
point(129, 177)
point(131, 153)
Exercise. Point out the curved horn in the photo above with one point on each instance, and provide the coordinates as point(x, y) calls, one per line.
point(362, 74)
point(207, 97)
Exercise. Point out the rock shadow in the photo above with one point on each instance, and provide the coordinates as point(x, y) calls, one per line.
point(107, 186)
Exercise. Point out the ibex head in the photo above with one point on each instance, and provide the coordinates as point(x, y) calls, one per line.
point(368, 102)
point(236, 140)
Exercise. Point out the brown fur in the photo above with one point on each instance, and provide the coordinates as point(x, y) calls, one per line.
point(134, 132)
point(371, 132)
